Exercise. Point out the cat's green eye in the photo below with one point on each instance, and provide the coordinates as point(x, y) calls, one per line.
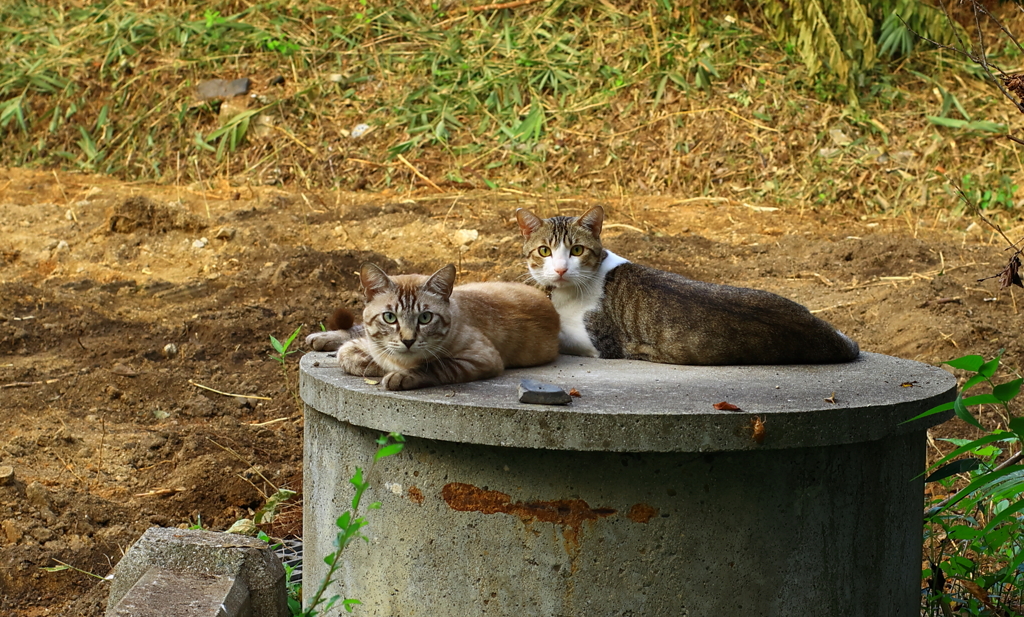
point(576, 250)
point(425, 317)
point(544, 251)
point(389, 317)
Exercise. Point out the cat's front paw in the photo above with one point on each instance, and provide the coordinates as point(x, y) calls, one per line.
point(329, 340)
point(356, 361)
point(405, 380)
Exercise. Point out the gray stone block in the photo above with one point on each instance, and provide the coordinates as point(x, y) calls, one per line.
point(161, 593)
point(172, 569)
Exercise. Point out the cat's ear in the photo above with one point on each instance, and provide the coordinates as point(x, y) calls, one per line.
point(528, 222)
point(374, 281)
point(592, 220)
point(441, 282)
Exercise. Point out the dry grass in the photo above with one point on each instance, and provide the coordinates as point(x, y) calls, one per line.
point(552, 97)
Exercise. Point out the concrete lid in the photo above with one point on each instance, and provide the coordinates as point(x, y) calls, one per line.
point(631, 406)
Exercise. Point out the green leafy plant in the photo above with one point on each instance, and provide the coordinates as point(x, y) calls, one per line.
point(13, 109)
point(349, 525)
point(845, 38)
point(900, 20)
point(213, 19)
point(982, 126)
point(264, 515)
point(281, 45)
point(280, 355)
point(268, 511)
point(230, 136)
point(281, 350)
point(986, 198)
point(973, 536)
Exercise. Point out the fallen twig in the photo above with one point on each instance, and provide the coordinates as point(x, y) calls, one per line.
point(889, 280)
point(161, 492)
point(419, 175)
point(364, 162)
point(506, 189)
point(67, 465)
point(834, 306)
point(21, 384)
point(821, 278)
point(26, 384)
point(295, 139)
point(199, 385)
point(624, 226)
point(274, 421)
point(66, 566)
point(501, 5)
point(693, 199)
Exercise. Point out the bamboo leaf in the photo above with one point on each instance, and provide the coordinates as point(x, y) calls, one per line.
point(954, 123)
point(960, 466)
point(972, 362)
point(983, 481)
point(972, 445)
point(1006, 392)
point(964, 414)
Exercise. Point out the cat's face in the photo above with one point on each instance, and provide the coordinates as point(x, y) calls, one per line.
point(562, 250)
point(407, 317)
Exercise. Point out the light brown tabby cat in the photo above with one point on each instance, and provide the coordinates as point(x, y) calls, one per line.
point(420, 331)
point(611, 308)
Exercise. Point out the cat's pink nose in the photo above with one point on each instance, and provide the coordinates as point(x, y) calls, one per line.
point(561, 271)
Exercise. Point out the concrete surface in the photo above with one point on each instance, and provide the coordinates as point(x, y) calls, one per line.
point(174, 572)
point(640, 498)
point(160, 592)
point(630, 406)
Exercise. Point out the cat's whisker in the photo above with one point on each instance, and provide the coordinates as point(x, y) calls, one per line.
point(444, 367)
point(387, 354)
point(439, 353)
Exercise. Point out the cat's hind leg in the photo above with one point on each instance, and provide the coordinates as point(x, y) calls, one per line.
point(330, 340)
point(340, 328)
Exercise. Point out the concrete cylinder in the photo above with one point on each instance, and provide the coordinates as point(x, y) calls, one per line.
point(639, 498)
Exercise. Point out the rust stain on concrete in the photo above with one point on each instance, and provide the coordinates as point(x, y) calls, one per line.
point(641, 513)
point(568, 513)
point(415, 495)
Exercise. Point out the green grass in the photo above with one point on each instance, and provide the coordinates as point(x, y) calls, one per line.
point(562, 95)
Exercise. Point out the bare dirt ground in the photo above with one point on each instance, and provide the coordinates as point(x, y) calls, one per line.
point(113, 307)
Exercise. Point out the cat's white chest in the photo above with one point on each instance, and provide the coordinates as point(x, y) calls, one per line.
point(574, 303)
point(572, 311)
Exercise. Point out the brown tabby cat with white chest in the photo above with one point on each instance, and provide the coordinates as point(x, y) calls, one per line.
point(421, 331)
point(611, 308)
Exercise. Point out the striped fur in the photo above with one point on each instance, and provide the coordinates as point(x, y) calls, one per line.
point(611, 308)
point(422, 331)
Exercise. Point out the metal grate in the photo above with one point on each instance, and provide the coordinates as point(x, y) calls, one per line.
point(290, 554)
